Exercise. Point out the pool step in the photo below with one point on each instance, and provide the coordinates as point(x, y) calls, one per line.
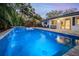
point(73, 52)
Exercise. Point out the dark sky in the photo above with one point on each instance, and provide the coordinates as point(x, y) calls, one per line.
point(43, 8)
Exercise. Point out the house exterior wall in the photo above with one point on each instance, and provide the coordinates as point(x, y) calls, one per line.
point(73, 28)
point(59, 20)
point(76, 27)
point(42, 24)
point(58, 25)
point(49, 23)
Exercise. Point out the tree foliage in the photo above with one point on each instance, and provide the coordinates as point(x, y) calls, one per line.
point(16, 14)
point(55, 13)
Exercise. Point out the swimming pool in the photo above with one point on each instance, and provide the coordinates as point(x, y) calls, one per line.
point(23, 41)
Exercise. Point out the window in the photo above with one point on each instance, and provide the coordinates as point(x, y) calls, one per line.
point(73, 21)
point(54, 22)
point(77, 20)
point(67, 24)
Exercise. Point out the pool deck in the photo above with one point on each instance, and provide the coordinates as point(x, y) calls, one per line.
point(72, 52)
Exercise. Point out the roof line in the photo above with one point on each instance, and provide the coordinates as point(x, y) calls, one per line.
point(65, 15)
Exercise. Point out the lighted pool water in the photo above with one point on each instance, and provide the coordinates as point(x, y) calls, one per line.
point(32, 42)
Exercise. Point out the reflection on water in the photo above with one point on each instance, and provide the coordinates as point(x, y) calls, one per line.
point(29, 28)
point(67, 41)
point(64, 40)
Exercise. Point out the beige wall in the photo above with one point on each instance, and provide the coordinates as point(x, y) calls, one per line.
point(76, 27)
point(59, 20)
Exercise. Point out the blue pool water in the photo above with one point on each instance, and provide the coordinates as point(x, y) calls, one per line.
point(33, 42)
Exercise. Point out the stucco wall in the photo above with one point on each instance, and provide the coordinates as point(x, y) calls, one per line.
point(75, 28)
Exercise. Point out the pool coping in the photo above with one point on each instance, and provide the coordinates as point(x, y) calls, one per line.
point(3, 35)
point(57, 32)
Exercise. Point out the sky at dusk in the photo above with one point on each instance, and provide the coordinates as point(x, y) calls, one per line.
point(43, 8)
